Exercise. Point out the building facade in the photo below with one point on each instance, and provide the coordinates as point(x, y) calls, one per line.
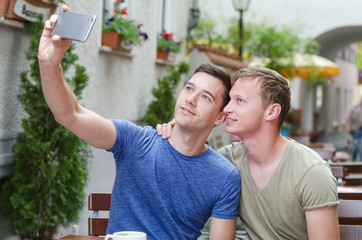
point(119, 83)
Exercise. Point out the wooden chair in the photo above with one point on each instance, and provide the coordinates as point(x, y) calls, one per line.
point(325, 150)
point(338, 173)
point(352, 172)
point(350, 219)
point(97, 226)
point(349, 193)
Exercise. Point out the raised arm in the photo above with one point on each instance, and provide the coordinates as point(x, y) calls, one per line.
point(87, 125)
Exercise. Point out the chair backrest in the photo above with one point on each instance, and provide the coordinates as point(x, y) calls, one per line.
point(325, 150)
point(349, 193)
point(352, 172)
point(338, 173)
point(350, 219)
point(350, 232)
point(350, 212)
point(97, 226)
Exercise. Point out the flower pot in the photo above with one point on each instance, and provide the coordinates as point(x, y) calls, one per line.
point(114, 40)
point(4, 5)
point(29, 10)
point(162, 54)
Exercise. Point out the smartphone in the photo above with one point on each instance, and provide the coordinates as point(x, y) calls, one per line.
point(74, 25)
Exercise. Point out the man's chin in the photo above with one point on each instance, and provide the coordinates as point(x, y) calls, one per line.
point(229, 130)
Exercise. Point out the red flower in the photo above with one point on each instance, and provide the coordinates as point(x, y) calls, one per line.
point(124, 11)
point(167, 35)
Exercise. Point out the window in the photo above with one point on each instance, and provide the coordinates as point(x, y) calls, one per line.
point(165, 20)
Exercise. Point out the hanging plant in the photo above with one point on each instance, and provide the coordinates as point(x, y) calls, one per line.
point(119, 22)
point(165, 42)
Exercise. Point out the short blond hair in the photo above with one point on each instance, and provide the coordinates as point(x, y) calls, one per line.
point(274, 88)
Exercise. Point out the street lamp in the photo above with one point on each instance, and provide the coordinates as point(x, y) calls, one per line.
point(241, 6)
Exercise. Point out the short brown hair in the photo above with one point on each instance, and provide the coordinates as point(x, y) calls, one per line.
point(274, 88)
point(221, 74)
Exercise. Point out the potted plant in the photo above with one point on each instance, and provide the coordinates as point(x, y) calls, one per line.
point(120, 32)
point(166, 44)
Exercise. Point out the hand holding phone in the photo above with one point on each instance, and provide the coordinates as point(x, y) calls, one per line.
point(74, 25)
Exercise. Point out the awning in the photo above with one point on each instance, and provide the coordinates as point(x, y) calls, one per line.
point(306, 65)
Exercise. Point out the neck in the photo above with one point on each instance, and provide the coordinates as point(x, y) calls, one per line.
point(189, 143)
point(266, 149)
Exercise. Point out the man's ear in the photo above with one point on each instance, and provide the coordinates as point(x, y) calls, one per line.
point(220, 119)
point(273, 111)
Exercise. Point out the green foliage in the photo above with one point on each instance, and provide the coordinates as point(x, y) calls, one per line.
point(314, 80)
point(359, 56)
point(205, 31)
point(161, 109)
point(45, 188)
point(275, 43)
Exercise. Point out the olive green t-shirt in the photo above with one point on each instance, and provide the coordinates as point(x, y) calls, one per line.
point(302, 181)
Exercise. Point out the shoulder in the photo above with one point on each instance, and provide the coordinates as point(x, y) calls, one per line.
point(316, 185)
point(233, 150)
point(125, 125)
point(218, 158)
point(221, 163)
point(236, 153)
point(304, 154)
point(306, 164)
point(131, 134)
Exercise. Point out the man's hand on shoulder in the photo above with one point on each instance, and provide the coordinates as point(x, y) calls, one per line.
point(165, 129)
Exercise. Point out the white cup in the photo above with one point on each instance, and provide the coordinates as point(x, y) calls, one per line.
point(125, 235)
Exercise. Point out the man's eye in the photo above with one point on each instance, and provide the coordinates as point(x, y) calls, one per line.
point(206, 98)
point(188, 89)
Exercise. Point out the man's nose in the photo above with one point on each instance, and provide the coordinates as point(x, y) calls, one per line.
point(227, 108)
point(192, 99)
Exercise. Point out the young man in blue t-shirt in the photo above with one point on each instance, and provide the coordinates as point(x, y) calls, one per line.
point(166, 188)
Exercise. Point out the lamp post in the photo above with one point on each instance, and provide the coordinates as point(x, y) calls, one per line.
point(241, 6)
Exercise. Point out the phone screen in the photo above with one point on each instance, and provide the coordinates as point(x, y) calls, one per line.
point(73, 25)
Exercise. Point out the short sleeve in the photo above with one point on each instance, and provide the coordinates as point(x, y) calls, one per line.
point(318, 188)
point(228, 202)
point(131, 138)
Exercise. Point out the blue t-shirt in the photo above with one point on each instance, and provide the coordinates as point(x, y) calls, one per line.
point(164, 193)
